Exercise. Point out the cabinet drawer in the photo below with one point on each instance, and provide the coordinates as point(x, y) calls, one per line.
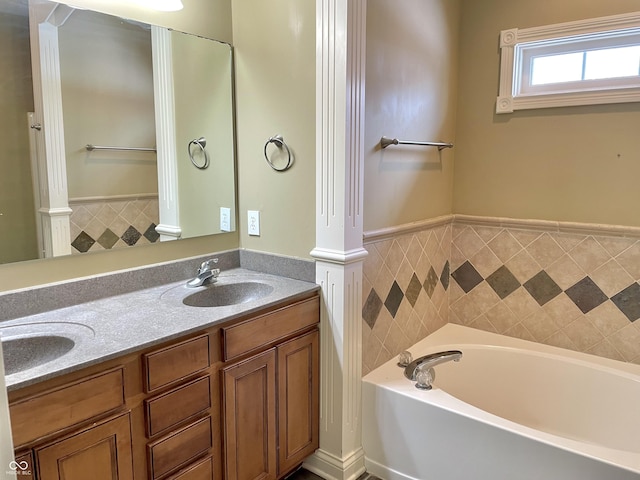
point(168, 365)
point(267, 329)
point(66, 406)
point(200, 471)
point(177, 405)
point(179, 448)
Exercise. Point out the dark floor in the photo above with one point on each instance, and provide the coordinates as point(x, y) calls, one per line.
point(303, 474)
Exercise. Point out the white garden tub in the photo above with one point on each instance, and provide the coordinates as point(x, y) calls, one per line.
point(509, 410)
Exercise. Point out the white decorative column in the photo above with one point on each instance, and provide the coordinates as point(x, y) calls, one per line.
point(169, 227)
point(54, 211)
point(339, 253)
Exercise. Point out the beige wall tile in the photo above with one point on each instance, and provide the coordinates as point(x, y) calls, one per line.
point(611, 278)
point(565, 272)
point(630, 260)
point(545, 250)
point(485, 261)
point(523, 266)
point(505, 246)
point(583, 334)
point(589, 255)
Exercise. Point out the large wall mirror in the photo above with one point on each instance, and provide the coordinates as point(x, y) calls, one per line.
point(113, 133)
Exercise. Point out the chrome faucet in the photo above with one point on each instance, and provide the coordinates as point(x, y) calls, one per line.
point(421, 369)
point(205, 274)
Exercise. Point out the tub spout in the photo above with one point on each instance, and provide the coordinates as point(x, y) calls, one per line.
point(427, 362)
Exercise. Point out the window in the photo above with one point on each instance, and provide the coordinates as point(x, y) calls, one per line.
point(577, 63)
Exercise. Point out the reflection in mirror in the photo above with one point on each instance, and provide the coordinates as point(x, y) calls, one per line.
point(108, 82)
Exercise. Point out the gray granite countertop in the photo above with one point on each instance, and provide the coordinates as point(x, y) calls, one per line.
point(113, 326)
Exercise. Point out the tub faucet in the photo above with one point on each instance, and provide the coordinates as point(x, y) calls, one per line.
point(421, 369)
point(205, 274)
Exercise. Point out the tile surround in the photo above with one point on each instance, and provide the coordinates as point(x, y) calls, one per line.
point(575, 288)
point(577, 291)
point(104, 224)
point(405, 296)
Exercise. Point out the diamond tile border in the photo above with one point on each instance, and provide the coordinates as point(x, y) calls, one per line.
point(105, 225)
point(585, 293)
point(406, 283)
point(569, 285)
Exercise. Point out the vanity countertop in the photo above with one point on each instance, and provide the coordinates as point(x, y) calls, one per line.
point(114, 326)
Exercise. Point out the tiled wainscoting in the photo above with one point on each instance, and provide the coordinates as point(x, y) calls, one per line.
point(406, 282)
point(105, 224)
point(568, 285)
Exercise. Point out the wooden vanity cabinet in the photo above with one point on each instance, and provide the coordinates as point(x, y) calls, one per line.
point(62, 429)
point(271, 397)
point(102, 451)
point(178, 421)
point(189, 409)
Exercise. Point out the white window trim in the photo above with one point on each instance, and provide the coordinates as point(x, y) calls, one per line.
point(507, 103)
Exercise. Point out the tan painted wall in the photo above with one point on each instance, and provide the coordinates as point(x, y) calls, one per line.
point(17, 215)
point(574, 164)
point(203, 102)
point(107, 99)
point(411, 83)
point(275, 77)
point(205, 17)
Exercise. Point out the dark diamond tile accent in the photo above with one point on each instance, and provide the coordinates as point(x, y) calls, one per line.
point(131, 236)
point(467, 277)
point(413, 290)
point(83, 242)
point(394, 299)
point(151, 234)
point(503, 282)
point(372, 308)
point(542, 287)
point(430, 282)
point(108, 239)
point(586, 295)
point(444, 276)
point(628, 301)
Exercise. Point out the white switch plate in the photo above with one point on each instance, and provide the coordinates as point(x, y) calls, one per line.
point(253, 219)
point(225, 219)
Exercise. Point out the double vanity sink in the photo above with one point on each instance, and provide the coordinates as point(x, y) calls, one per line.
point(174, 379)
point(49, 344)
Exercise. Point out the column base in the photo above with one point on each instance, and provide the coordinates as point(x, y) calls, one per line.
point(331, 467)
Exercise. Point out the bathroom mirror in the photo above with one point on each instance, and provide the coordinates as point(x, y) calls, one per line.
point(108, 158)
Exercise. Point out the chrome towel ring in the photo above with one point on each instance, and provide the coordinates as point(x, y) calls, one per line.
point(279, 142)
point(202, 143)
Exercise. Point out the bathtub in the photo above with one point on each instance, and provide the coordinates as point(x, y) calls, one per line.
point(509, 410)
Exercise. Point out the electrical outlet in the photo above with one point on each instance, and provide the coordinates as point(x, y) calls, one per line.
point(253, 219)
point(225, 219)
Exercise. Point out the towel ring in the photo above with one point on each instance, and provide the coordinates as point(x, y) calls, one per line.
point(278, 141)
point(201, 142)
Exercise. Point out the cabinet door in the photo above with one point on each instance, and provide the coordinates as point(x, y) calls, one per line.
point(102, 452)
point(250, 418)
point(298, 400)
